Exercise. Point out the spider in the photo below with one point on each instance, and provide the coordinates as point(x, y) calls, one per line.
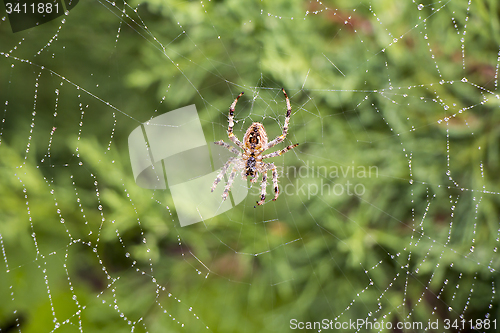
point(249, 160)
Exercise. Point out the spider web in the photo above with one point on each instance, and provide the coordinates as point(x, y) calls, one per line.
point(388, 210)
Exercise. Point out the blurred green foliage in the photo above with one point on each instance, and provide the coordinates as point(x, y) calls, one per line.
point(368, 83)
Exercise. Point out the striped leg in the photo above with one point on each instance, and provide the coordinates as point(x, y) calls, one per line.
point(280, 152)
point(263, 189)
point(230, 133)
point(285, 127)
point(222, 172)
point(275, 181)
point(229, 183)
point(225, 145)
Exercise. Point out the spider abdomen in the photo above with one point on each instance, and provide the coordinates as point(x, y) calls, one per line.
point(255, 136)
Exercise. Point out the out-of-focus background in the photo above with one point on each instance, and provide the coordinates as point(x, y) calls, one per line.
point(388, 209)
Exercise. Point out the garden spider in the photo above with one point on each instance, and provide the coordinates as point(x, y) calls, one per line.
point(249, 160)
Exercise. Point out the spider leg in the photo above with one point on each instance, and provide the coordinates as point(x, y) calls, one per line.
point(225, 145)
point(229, 183)
point(282, 137)
point(263, 189)
point(230, 133)
point(280, 152)
point(222, 172)
point(275, 181)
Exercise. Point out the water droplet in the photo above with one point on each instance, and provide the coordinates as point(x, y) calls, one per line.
point(420, 7)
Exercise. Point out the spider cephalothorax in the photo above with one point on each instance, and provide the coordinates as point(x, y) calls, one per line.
point(249, 160)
